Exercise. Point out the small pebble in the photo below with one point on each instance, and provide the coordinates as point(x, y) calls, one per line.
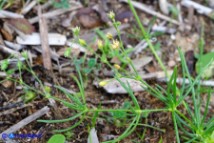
point(171, 63)
point(172, 37)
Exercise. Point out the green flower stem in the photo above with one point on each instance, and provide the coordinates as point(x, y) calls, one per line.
point(119, 34)
point(128, 110)
point(152, 127)
point(175, 126)
point(128, 131)
point(146, 36)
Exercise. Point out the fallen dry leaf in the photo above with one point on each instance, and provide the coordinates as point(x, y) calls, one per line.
point(21, 24)
point(89, 18)
point(7, 83)
point(6, 35)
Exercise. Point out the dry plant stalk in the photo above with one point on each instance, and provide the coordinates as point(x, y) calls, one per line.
point(26, 121)
point(43, 28)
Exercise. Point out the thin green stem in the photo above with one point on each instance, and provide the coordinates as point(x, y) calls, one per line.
point(175, 126)
point(127, 110)
point(146, 37)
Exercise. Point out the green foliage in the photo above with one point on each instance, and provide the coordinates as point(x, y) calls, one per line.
point(122, 114)
point(29, 96)
point(108, 53)
point(76, 31)
point(86, 66)
point(67, 52)
point(91, 63)
point(61, 3)
point(204, 61)
point(6, 3)
point(19, 64)
point(2, 2)
point(69, 135)
point(196, 127)
point(57, 138)
point(173, 9)
point(146, 37)
point(4, 64)
point(157, 46)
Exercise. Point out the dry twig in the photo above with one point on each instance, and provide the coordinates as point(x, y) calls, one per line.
point(152, 12)
point(198, 7)
point(26, 121)
point(8, 14)
point(44, 41)
point(9, 51)
point(186, 81)
point(28, 7)
point(54, 13)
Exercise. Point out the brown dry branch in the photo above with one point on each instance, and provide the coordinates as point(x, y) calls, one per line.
point(198, 7)
point(9, 51)
point(209, 83)
point(26, 121)
point(8, 14)
point(28, 7)
point(14, 46)
point(43, 28)
point(10, 111)
point(55, 13)
point(145, 8)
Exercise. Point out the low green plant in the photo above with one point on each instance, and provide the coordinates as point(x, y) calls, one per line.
point(203, 61)
point(2, 3)
point(194, 126)
point(147, 37)
point(87, 66)
point(200, 131)
point(109, 48)
point(131, 114)
point(197, 127)
point(60, 3)
point(57, 138)
point(6, 3)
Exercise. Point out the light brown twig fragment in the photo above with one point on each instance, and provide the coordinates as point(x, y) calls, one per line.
point(26, 121)
point(8, 14)
point(46, 55)
point(151, 12)
point(9, 51)
point(54, 13)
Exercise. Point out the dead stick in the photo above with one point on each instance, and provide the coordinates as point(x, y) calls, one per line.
point(9, 51)
point(26, 121)
point(46, 54)
point(145, 8)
